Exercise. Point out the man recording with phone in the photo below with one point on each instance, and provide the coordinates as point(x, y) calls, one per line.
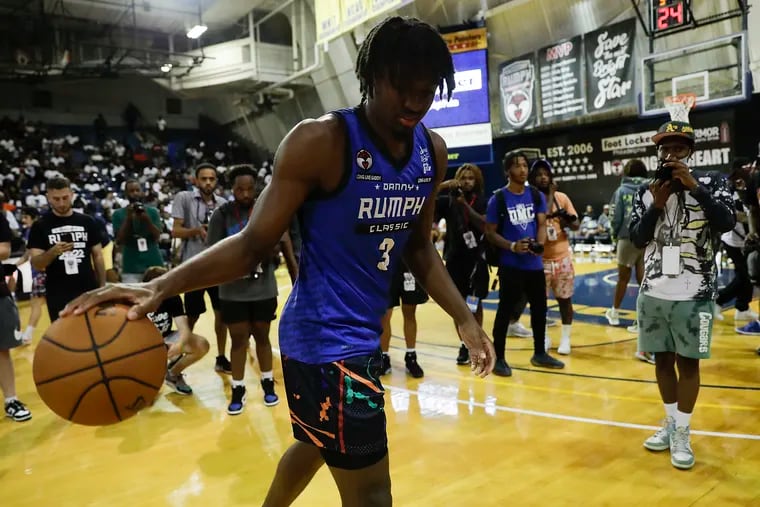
point(677, 219)
point(137, 228)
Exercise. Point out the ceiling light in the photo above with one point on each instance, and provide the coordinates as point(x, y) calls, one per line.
point(196, 31)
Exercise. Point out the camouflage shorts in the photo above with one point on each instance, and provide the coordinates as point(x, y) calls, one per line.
point(683, 327)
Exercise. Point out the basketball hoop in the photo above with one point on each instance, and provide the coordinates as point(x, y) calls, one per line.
point(679, 106)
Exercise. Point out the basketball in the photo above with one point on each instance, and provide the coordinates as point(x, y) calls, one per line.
point(99, 368)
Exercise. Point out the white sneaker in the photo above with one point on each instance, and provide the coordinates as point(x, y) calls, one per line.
point(745, 315)
point(564, 347)
point(681, 455)
point(612, 317)
point(547, 343)
point(718, 313)
point(633, 328)
point(519, 331)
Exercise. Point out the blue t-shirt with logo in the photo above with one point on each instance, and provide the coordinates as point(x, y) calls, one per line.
point(520, 223)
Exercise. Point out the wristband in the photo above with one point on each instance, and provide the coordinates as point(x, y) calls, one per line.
point(512, 246)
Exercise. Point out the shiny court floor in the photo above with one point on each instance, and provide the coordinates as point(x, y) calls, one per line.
point(570, 437)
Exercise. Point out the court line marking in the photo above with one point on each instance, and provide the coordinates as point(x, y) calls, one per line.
point(572, 418)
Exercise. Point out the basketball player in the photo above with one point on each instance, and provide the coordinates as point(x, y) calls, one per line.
point(185, 347)
point(407, 292)
point(191, 212)
point(9, 324)
point(66, 245)
point(249, 305)
point(675, 219)
point(341, 173)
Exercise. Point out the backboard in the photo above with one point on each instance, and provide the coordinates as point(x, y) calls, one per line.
point(715, 70)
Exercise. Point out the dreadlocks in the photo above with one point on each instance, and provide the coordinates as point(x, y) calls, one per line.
point(403, 47)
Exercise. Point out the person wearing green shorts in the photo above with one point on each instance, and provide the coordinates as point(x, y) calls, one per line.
point(677, 220)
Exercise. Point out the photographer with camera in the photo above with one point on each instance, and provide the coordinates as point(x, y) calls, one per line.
point(677, 219)
point(520, 211)
point(191, 211)
point(464, 208)
point(138, 228)
point(558, 258)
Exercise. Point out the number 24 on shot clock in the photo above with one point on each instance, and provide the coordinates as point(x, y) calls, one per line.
point(669, 14)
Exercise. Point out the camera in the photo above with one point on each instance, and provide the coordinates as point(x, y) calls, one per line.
point(138, 207)
point(536, 247)
point(663, 173)
point(563, 214)
point(456, 193)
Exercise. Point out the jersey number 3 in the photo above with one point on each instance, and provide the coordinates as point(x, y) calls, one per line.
point(385, 247)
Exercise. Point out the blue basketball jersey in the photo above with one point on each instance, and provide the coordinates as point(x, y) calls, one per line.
point(352, 242)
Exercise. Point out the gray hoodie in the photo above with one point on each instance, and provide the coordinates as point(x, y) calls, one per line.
point(622, 203)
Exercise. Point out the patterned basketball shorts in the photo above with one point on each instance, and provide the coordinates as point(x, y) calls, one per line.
point(338, 406)
point(38, 284)
point(560, 277)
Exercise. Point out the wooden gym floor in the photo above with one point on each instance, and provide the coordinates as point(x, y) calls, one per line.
point(570, 437)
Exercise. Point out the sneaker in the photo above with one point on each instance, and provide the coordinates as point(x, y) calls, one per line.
point(681, 455)
point(519, 331)
point(752, 329)
point(502, 369)
point(223, 365)
point(385, 369)
point(564, 347)
point(270, 397)
point(551, 322)
point(633, 328)
point(745, 315)
point(177, 382)
point(464, 355)
point(612, 317)
point(647, 357)
point(660, 441)
point(546, 361)
point(547, 342)
point(718, 313)
point(412, 367)
point(17, 411)
point(238, 400)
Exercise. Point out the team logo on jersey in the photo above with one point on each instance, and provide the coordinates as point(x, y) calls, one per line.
point(364, 159)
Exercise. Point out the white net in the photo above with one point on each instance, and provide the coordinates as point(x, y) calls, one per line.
point(679, 106)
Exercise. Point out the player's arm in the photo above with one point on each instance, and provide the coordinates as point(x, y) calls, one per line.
point(99, 264)
point(426, 265)
point(309, 158)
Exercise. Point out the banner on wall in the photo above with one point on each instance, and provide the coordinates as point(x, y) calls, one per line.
point(588, 163)
point(517, 94)
point(610, 67)
point(464, 121)
point(561, 80)
point(336, 17)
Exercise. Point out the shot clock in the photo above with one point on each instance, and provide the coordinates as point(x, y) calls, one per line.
point(669, 14)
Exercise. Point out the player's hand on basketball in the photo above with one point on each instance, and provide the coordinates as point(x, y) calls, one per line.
point(681, 173)
point(482, 354)
point(661, 190)
point(143, 297)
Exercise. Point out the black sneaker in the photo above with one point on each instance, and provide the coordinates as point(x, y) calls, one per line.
point(464, 355)
point(238, 400)
point(412, 367)
point(385, 369)
point(270, 397)
point(177, 382)
point(223, 365)
point(502, 369)
point(546, 361)
point(17, 411)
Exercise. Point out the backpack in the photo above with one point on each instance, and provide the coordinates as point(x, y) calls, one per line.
point(492, 252)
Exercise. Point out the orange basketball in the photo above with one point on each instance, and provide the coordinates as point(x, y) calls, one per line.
point(99, 368)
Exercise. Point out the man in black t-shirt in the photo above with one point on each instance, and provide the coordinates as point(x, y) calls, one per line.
point(185, 347)
point(66, 245)
point(464, 208)
point(10, 337)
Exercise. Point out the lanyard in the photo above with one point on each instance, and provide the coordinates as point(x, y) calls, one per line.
point(467, 213)
point(237, 216)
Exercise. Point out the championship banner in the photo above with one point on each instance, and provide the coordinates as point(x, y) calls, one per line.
point(464, 122)
point(561, 79)
point(336, 17)
point(610, 67)
point(327, 14)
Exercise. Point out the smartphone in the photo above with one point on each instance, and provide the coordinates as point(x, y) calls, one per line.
point(67, 237)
